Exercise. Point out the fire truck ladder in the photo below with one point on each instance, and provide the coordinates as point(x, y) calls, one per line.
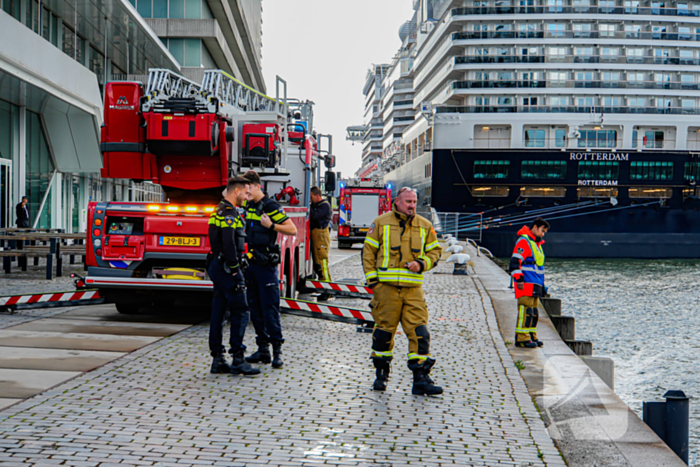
point(228, 90)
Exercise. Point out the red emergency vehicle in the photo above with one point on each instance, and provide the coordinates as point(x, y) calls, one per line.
point(361, 201)
point(190, 138)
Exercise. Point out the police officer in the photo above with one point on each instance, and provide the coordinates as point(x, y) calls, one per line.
point(400, 246)
point(321, 213)
point(265, 218)
point(225, 266)
point(527, 269)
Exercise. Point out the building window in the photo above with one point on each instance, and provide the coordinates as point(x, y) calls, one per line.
point(40, 169)
point(490, 191)
point(649, 192)
point(560, 138)
point(491, 169)
point(68, 41)
point(597, 139)
point(543, 170)
point(542, 192)
point(534, 138)
point(598, 170)
point(593, 192)
point(645, 170)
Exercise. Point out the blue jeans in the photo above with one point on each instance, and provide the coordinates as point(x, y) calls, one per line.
point(229, 292)
point(264, 299)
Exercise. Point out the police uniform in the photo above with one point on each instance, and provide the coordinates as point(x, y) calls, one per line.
point(262, 278)
point(527, 268)
point(321, 214)
point(227, 242)
point(393, 241)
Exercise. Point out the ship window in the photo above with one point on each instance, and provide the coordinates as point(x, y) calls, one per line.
point(691, 171)
point(542, 192)
point(653, 139)
point(593, 192)
point(597, 139)
point(560, 138)
point(693, 193)
point(543, 170)
point(652, 192)
point(598, 170)
point(490, 191)
point(491, 169)
point(534, 138)
point(646, 170)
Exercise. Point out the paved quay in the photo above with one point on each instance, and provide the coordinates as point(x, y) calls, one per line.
point(159, 405)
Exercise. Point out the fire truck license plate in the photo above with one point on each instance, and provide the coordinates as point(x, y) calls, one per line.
point(364, 230)
point(179, 241)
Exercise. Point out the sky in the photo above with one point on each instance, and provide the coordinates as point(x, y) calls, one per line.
point(323, 49)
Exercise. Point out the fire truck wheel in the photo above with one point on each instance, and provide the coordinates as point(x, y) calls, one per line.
point(128, 308)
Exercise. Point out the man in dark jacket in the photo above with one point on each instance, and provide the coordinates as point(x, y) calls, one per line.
point(22, 212)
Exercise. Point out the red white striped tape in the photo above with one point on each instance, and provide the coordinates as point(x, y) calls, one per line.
point(313, 307)
point(340, 287)
point(49, 297)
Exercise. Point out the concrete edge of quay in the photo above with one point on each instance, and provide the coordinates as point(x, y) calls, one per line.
point(588, 422)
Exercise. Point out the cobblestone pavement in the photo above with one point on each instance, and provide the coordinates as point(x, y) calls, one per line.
point(160, 406)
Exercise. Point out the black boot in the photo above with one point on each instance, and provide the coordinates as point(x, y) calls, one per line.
point(277, 355)
point(383, 367)
point(240, 367)
point(422, 384)
point(220, 365)
point(261, 356)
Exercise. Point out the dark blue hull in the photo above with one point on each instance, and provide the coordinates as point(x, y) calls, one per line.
point(582, 226)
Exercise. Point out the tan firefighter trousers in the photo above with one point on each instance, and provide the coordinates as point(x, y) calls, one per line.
point(320, 248)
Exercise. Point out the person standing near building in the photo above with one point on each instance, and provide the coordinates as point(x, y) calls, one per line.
point(527, 269)
point(265, 218)
point(22, 212)
point(225, 265)
point(399, 248)
point(321, 213)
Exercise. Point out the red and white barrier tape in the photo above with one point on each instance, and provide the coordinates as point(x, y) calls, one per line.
point(49, 297)
point(340, 287)
point(339, 311)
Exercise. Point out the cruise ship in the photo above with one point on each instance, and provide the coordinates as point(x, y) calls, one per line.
point(584, 112)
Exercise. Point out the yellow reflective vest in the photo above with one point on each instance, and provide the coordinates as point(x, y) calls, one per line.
point(392, 242)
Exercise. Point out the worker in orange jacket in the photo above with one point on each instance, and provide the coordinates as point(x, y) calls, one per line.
point(527, 270)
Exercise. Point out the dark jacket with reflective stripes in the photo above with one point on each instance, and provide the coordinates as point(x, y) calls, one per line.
point(226, 233)
point(258, 235)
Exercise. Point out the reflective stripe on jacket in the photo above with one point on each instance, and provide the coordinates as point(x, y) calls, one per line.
point(527, 264)
point(395, 240)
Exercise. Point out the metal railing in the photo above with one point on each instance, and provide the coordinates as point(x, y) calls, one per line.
point(482, 109)
point(556, 9)
point(561, 34)
point(459, 224)
point(571, 58)
point(572, 83)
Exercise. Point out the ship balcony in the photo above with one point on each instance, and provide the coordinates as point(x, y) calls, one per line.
point(573, 109)
point(574, 10)
point(462, 61)
point(589, 84)
point(562, 34)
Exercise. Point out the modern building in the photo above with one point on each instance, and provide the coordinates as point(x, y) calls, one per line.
point(55, 58)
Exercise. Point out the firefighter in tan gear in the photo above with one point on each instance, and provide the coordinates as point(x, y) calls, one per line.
point(399, 248)
point(321, 213)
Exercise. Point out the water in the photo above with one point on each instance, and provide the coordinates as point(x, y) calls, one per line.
point(646, 316)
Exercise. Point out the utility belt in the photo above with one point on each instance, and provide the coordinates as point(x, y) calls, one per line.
point(266, 255)
point(221, 259)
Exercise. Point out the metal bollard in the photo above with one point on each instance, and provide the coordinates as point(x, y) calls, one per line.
point(670, 420)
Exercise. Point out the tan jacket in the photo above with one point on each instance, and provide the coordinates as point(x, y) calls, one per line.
point(392, 242)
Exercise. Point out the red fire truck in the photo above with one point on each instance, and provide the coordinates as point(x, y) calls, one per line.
point(361, 201)
point(190, 138)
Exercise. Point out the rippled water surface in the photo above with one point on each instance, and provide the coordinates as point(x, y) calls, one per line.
point(646, 316)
